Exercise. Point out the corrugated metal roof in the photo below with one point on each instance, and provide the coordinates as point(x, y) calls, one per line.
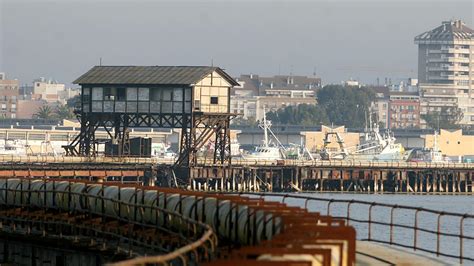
point(147, 75)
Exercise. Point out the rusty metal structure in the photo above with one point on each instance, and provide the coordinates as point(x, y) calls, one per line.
point(150, 225)
point(194, 99)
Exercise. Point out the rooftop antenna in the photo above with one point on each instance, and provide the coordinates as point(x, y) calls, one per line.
point(314, 71)
point(212, 62)
point(100, 61)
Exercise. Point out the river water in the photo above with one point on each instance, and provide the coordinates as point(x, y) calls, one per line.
point(463, 204)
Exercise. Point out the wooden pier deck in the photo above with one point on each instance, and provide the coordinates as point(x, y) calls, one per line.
point(246, 175)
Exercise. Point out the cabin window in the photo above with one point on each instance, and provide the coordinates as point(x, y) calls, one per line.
point(167, 93)
point(131, 107)
point(86, 98)
point(155, 107)
point(143, 94)
point(108, 106)
point(109, 94)
point(214, 100)
point(121, 94)
point(167, 107)
point(187, 95)
point(144, 100)
point(177, 107)
point(132, 94)
point(97, 106)
point(178, 95)
point(187, 99)
point(97, 94)
point(156, 94)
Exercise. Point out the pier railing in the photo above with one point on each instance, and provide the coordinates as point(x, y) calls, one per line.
point(140, 220)
point(420, 229)
point(238, 162)
point(62, 209)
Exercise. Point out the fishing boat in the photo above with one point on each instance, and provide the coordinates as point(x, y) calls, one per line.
point(13, 147)
point(163, 150)
point(433, 154)
point(378, 147)
point(268, 150)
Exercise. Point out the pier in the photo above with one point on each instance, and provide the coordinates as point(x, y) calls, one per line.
point(246, 176)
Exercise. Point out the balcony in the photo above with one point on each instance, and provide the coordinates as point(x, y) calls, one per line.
point(448, 59)
point(449, 68)
point(459, 59)
point(437, 59)
point(458, 51)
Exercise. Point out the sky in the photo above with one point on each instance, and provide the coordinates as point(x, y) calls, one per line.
point(335, 39)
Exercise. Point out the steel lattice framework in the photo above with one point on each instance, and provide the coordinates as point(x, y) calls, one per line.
point(197, 129)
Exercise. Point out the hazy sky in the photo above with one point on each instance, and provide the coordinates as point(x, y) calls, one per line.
point(340, 39)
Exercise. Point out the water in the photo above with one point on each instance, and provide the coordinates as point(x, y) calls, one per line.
point(404, 236)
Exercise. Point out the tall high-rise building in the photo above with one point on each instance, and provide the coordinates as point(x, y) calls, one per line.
point(446, 69)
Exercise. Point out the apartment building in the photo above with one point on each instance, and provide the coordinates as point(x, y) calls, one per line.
point(380, 105)
point(47, 90)
point(9, 92)
point(256, 94)
point(446, 69)
point(404, 111)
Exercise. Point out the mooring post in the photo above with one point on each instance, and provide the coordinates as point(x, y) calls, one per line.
point(446, 182)
point(383, 177)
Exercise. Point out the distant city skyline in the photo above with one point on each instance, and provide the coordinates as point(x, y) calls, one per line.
point(336, 40)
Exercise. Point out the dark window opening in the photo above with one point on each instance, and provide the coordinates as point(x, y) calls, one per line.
point(214, 100)
point(121, 94)
point(109, 94)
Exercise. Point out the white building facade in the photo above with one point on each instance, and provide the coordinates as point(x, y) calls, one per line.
point(446, 69)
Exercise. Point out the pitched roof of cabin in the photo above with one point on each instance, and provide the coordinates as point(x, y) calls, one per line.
point(148, 75)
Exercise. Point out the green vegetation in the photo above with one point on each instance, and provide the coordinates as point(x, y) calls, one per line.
point(239, 121)
point(303, 114)
point(63, 112)
point(60, 112)
point(337, 104)
point(44, 112)
point(72, 102)
point(346, 105)
point(447, 118)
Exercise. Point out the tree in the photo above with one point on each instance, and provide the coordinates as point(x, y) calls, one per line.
point(240, 121)
point(303, 114)
point(447, 118)
point(346, 105)
point(72, 102)
point(64, 112)
point(44, 112)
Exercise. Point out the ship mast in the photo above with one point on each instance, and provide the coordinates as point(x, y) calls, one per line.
point(435, 145)
point(265, 128)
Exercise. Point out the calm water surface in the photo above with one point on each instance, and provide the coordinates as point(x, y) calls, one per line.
point(463, 204)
